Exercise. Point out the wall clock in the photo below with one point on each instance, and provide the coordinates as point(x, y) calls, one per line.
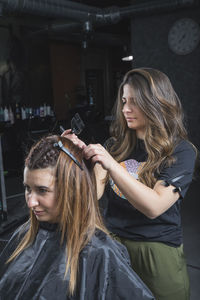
point(184, 36)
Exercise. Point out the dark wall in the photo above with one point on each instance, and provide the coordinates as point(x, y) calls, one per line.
point(65, 72)
point(38, 73)
point(24, 66)
point(149, 37)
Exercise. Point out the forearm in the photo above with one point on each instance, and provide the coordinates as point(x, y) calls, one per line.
point(151, 202)
point(100, 174)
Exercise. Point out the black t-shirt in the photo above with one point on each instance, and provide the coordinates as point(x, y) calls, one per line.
point(124, 220)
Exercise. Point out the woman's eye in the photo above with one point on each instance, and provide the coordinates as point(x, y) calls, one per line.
point(123, 101)
point(42, 191)
point(27, 189)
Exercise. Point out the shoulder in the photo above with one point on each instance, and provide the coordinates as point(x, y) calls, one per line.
point(102, 240)
point(102, 245)
point(109, 273)
point(185, 154)
point(19, 232)
point(185, 147)
point(13, 242)
point(182, 168)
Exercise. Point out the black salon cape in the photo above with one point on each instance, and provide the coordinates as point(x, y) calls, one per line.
point(38, 272)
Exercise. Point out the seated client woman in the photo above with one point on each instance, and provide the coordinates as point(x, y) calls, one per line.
point(64, 250)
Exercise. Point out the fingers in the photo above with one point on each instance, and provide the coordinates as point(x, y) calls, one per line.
point(98, 154)
point(93, 150)
point(80, 143)
point(72, 137)
point(76, 141)
point(66, 132)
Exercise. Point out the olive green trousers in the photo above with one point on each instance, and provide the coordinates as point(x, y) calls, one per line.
point(162, 268)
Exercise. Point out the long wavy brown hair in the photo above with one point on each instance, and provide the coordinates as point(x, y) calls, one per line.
point(154, 95)
point(77, 203)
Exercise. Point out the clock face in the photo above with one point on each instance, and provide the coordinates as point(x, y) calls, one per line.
point(184, 36)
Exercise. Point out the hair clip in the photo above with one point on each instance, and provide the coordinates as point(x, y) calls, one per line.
point(61, 146)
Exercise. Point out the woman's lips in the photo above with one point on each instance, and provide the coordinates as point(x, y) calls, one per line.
point(130, 119)
point(38, 212)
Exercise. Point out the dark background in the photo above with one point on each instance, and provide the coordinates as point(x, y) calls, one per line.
point(67, 54)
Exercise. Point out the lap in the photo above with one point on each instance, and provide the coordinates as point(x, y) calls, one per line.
point(161, 267)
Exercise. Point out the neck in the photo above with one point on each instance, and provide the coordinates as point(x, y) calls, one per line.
point(140, 134)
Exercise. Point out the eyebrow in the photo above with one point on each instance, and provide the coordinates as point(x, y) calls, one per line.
point(37, 186)
point(123, 97)
point(42, 186)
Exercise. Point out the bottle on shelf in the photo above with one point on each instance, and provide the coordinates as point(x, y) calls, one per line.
point(23, 112)
point(45, 109)
point(1, 114)
point(6, 114)
point(11, 115)
point(48, 109)
point(17, 112)
point(41, 111)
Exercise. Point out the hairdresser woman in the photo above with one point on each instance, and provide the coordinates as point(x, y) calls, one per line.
point(143, 177)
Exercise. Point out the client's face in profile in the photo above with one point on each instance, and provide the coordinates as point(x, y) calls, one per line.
point(40, 193)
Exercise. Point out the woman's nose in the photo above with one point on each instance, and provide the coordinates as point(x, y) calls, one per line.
point(32, 201)
point(126, 108)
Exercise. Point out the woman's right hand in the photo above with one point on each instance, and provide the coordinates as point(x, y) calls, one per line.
point(98, 154)
point(73, 137)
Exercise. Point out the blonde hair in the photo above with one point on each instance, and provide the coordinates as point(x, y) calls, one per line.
point(154, 95)
point(77, 203)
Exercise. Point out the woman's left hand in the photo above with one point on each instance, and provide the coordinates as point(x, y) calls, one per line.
point(98, 154)
point(72, 137)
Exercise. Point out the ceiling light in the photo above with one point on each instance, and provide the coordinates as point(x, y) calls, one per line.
point(127, 58)
point(127, 53)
